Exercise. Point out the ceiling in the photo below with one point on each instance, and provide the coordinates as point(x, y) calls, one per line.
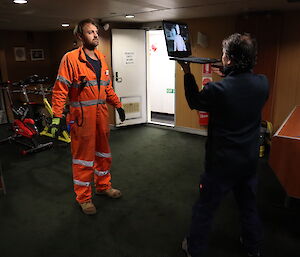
point(47, 15)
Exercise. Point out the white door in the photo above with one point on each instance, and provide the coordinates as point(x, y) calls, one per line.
point(161, 75)
point(129, 78)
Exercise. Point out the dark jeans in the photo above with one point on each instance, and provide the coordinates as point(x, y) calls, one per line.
point(212, 191)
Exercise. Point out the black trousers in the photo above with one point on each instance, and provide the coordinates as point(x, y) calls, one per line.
point(212, 190)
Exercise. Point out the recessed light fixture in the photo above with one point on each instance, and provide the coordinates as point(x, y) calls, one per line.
point(20, 1)
point(65, 25)
point(129, 16)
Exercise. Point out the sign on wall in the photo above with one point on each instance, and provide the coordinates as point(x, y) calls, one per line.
point(129, 57)
point(206, 69)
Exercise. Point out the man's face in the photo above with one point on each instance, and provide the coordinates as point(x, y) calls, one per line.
point(90, 37)
point(225, 59)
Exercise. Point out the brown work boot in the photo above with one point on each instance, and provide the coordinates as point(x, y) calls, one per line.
point(88, 208)
point(111, 192)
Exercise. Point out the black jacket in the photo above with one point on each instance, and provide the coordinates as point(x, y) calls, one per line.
point(234, 105)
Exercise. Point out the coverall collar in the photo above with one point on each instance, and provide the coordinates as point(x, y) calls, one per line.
point(82, 56)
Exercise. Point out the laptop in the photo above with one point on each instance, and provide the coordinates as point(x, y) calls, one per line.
point(178, 43)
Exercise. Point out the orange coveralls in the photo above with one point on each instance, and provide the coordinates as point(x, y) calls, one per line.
point(91, 156)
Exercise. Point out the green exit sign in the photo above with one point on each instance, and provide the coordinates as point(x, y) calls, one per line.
point(170, 91)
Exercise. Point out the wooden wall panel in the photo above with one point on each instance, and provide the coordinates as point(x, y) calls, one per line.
point(287, 93)
point(3, 66)
point(266, 28)
point(60, 43)
point(17, 70)
point(4, 77)
point(216, 29)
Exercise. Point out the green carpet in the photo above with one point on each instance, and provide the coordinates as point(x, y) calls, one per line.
point(158, 172)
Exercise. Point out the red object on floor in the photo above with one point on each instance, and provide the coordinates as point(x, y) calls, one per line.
point(25, 128)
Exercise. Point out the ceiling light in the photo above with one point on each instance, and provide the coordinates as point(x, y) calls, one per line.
point(65, 25)
point(129, 16)
point(20, 1)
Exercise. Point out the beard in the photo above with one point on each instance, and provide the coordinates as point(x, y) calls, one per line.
point(91, 45)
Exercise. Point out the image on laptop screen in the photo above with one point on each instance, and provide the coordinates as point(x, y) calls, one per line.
point(177, 39)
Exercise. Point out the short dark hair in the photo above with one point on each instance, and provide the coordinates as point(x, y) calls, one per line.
point(79, 27)
point(241, 49)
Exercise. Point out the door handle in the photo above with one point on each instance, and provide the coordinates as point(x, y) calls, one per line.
point(118, 79)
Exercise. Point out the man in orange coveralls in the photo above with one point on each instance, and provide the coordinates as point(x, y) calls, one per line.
point(83, 77)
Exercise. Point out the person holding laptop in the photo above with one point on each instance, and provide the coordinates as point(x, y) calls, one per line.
point(232, 148)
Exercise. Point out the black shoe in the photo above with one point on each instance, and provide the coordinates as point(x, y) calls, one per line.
point(184, 247)
point(250, 253)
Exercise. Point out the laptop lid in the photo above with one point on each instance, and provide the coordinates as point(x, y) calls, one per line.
point(177, 39)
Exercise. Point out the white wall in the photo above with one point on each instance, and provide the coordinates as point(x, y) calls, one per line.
point(161, 74)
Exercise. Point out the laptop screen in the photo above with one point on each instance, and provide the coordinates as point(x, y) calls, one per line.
point(177, 39)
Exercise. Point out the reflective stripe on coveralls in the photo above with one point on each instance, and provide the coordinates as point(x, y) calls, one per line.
point(81, 183)
point(87, 103)
point(104, 83)
point(84, 163)
point(76, 80)
point(90, 83)
point(101, 173)
point(85, 84)
point(104, 155)
point(63, 80)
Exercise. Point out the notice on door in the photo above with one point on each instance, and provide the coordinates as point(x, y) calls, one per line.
point(129, 57)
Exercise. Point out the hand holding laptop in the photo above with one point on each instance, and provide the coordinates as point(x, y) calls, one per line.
point(185, 66)
point(215, 68)
point(218, 69)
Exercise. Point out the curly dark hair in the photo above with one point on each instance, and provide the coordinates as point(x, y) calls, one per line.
point(241, 49)
point(79, 27)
